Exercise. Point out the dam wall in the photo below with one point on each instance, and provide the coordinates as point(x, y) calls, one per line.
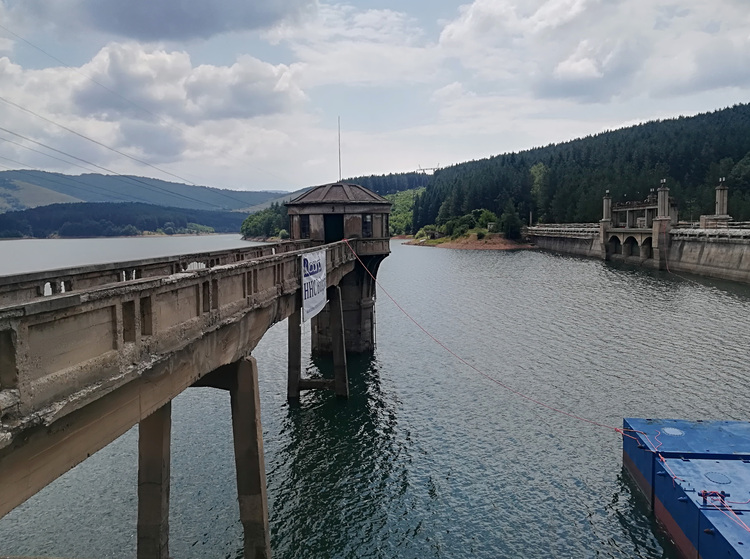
point(722, 253)
point(717, 253)
point(580, 240)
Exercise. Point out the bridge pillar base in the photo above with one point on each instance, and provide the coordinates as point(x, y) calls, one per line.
point(153, 484)
point(249, 461)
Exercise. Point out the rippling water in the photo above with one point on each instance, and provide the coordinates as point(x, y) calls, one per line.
point(428, 458)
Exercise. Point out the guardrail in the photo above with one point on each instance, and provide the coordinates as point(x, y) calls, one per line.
point(569, 230)
point(18, 288)
point(715, 233)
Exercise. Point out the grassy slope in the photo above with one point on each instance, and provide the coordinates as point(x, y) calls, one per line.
point(107, 188)
point(21, 195)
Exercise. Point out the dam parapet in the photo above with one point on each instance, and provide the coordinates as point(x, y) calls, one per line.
point(647, 233)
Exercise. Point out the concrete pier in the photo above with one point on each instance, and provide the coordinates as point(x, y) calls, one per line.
point(294, 354)
point(338, 343)
point(153, 484)
point(249, 461)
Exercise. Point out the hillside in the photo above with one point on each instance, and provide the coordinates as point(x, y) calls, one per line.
point(108, 219)
point(565, 182)
point(20, 190)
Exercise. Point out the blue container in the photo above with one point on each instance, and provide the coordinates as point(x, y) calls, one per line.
point(721, 536)
point(683, 467)
point(645, 440)
point(679, 504)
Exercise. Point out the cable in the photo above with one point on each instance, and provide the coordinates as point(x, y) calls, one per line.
point(133, 103)
point(110, 171)
point(16, 105)
point(475, 369)
point(142, 162)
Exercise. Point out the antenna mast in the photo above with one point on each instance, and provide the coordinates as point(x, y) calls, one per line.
point(339, 148)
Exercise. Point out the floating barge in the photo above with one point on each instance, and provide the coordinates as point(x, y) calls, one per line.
point(696, 478)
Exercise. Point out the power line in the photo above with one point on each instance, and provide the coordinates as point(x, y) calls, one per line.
point(3, 99)
point(133, 103)
point(113, 149)
point(131, 178)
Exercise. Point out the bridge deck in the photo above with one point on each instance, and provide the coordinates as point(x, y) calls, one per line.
point(114, 345)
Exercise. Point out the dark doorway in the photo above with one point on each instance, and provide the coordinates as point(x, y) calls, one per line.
point(334, 227)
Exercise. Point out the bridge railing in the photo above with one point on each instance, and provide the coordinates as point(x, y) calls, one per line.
point(569, 230)
point(62, 351)
point(20, 288)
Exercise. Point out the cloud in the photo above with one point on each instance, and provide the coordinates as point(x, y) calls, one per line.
point(157, 82)
point(158, 20)
point(344, 45)
point(594, 50)
point(158, 143)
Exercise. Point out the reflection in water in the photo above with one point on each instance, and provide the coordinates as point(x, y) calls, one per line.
point(337, 468)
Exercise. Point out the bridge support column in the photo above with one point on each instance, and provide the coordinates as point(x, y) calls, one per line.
point(294, 356)
point(153, 484)
point(338, 343)
point(249, 461)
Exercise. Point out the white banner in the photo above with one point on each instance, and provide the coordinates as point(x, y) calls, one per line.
point(313, 283)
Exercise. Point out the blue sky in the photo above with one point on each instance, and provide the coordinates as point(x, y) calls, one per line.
point(246, 95)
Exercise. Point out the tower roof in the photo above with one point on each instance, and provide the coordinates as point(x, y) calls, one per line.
point(338, 193)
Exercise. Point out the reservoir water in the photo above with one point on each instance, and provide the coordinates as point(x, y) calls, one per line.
point(428, 458)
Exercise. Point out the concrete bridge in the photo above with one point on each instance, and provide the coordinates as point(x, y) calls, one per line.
point(87, 353)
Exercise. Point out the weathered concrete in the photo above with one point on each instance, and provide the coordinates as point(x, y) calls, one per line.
point(119, 351)
point(294, 354)
point(588, 247)
point(338, 343)
point(153, 484)
point(248, 456)
point(717, 255)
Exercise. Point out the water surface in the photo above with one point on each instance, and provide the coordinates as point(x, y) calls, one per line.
point(428, 458)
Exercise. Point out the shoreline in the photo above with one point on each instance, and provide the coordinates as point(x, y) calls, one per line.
point(489, 242)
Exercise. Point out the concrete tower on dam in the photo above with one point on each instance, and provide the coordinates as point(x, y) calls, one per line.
point(331, 213)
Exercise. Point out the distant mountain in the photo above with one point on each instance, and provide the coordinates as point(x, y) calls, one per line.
point(20, 190)
point(107, 219)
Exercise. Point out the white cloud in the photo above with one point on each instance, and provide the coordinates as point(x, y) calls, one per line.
point(343, 45)
point(502, 75)
point(595, 50)
point(167, 84)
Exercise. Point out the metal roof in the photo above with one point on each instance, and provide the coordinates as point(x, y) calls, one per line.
point(338, 193)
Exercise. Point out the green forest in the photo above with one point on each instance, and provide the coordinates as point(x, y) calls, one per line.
point(558, 183)
point(113, 219)
point(564, 183)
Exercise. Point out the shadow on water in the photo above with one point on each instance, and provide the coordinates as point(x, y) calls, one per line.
point(631, 509)
point(336, 468)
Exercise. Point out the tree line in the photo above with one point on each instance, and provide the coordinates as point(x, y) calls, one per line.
point(114, 219)
point(565, 182)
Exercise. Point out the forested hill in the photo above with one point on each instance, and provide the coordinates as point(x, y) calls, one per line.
point(565, 182)
point(114, 219)
point(27, 189)
point(391, 183)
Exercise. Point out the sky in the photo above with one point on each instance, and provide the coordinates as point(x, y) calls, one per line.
point(248, 95)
